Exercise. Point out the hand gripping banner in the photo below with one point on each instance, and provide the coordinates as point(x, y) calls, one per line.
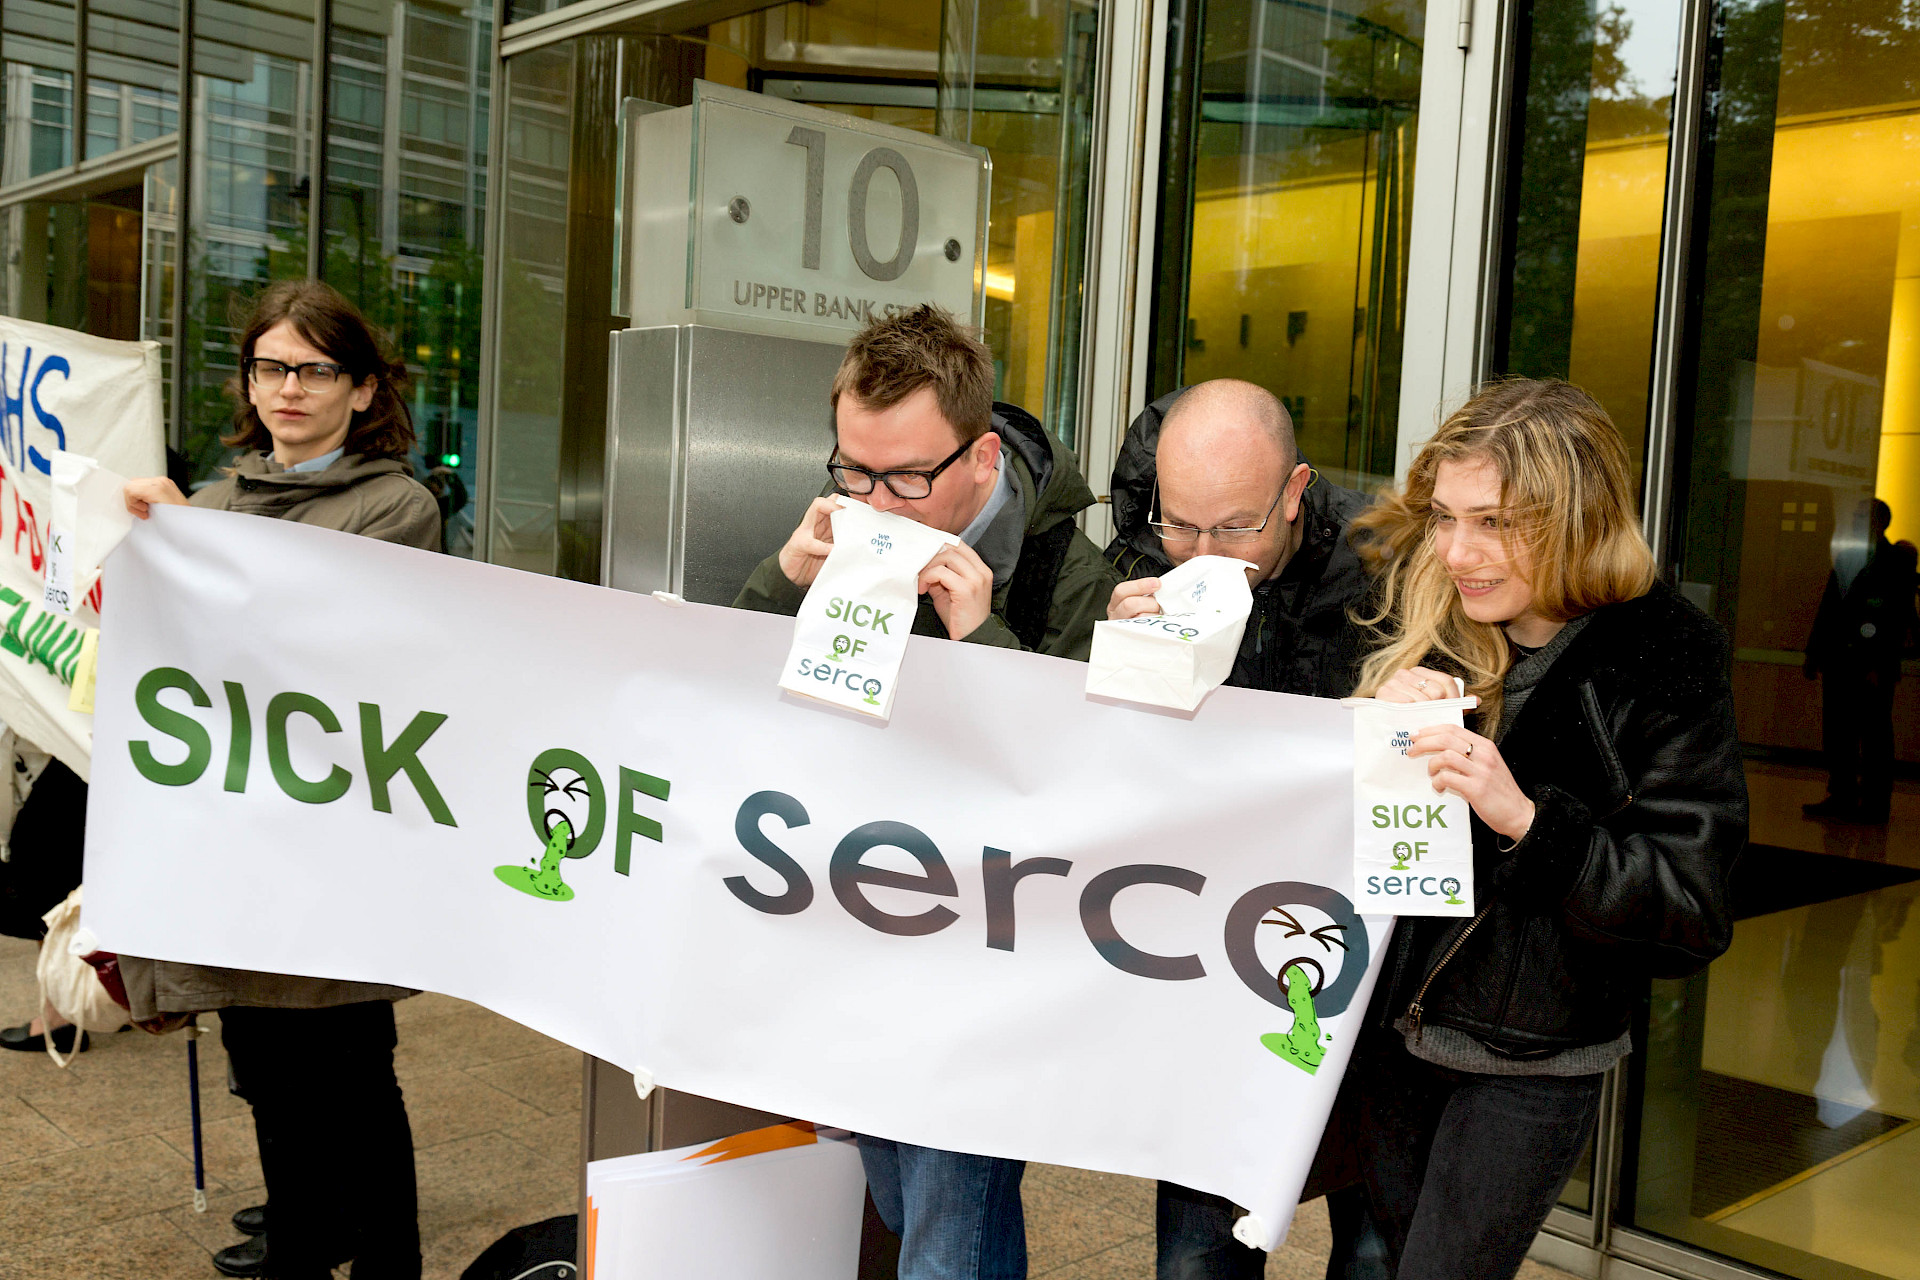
point(1010, 921)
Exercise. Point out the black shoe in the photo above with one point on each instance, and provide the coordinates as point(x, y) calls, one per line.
point(248, 1258)
point(1830, 810)
point(251, 1222)
point(21, 1038)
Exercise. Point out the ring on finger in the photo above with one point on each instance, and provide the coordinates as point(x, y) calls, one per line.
point(1468, 753)
point(1422, 685)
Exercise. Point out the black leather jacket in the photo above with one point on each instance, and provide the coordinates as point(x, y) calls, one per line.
point(1628, 749)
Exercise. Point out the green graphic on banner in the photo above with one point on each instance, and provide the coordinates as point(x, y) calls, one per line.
point(543, 881)
point(1300, 1046)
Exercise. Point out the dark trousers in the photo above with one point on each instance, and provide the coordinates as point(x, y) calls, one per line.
point(1462, 1169)
point(1856, 737)
point(335, 1145)
point(1194, 1238)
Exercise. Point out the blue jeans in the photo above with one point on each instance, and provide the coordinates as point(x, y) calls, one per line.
point(958, 1216)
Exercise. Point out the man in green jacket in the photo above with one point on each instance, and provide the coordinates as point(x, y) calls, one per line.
point(917, 433)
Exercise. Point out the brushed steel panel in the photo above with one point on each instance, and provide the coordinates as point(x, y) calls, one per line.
point(640, 545)
point(758, 433)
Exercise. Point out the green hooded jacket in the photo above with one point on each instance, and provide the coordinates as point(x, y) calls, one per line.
point(1059, 587)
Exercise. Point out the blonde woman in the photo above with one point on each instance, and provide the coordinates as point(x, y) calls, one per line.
point(1609, 803)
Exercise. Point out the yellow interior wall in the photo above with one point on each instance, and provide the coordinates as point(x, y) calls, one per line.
point(1899, 479)
point(1291, 246)
point(1027, 345)
point(1824, 171)
point(1285, 248)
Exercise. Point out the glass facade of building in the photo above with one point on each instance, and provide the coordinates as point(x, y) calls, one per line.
point(1707, 212)
point(1286, 214)
point(1773, 1116)
point(1020, 84)
point(398, 205)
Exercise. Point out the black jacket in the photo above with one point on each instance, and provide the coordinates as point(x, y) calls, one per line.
point(1299, 638)
point(1628, 749)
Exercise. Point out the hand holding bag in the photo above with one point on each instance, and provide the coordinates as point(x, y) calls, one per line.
point(1178, 656)
point(1412, 846)
point(851, 632)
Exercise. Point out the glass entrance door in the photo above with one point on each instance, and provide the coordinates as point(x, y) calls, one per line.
point(1286, 211)
point(1777, 1116)
point(1013, 76)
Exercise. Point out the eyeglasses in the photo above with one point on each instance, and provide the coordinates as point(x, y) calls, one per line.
point(1185, 533)
point(859, 481)
point(315, 375)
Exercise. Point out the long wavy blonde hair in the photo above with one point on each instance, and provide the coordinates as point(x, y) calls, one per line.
point(1568, 519)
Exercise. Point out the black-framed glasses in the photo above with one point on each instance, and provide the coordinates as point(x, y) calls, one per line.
point(1185, 533)
point(859, 481)
point(314, 375)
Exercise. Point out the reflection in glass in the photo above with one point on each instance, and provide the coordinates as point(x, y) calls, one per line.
point(45, 248)
point(133, 73)
point(405, 212)
point(1284, 235)
point(253, 79)
point(531, 279)
point(36, 89)
point(101, 265)
point(1781, 1116)
point(1584, 202)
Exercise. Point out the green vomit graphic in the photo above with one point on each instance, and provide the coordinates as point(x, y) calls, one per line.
point(1300, 1046)
point(545, 882)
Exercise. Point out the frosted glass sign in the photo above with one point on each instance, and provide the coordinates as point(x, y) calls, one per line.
point(799, 221)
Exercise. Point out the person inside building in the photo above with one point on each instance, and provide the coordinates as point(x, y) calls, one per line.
point(918, 434)
point(1604, 774)
point(322, 424)
point(1214, 469)
point(1860, 634)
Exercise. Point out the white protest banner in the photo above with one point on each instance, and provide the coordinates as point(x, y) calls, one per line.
point(1012, 920)
point(779, 1203)
point(60, 391)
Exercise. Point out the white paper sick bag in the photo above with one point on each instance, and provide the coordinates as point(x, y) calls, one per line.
point(1412, 846)
point(851, 632)
point(1178, 656)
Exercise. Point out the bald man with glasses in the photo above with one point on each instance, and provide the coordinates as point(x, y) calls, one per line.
point(1213, 469)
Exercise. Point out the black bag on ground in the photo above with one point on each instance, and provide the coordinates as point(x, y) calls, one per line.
point(537, 1251)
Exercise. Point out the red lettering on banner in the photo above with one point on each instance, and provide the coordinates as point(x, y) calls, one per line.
point(28, 526)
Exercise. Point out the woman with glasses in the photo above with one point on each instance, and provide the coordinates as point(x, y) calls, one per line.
point(321, 421)
point(1608, 798)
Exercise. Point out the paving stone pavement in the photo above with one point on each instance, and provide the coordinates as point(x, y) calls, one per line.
point(96, 1162)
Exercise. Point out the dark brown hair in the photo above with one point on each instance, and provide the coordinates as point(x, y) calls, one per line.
point(322, 317)
point(892, 358)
